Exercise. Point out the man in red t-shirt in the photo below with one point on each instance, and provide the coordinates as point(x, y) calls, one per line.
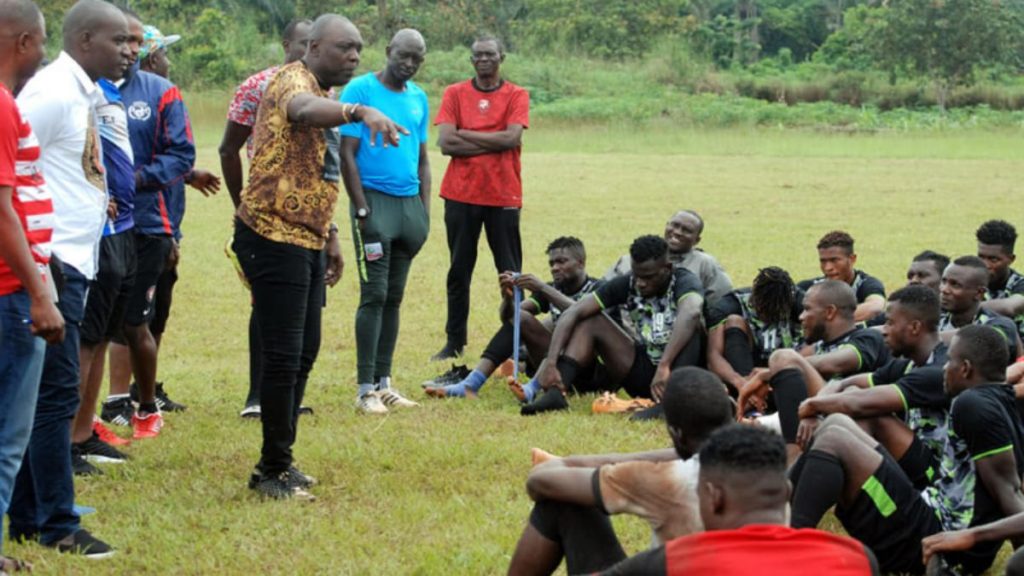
point(26, 225)
point(480, 127)
point(743, 494)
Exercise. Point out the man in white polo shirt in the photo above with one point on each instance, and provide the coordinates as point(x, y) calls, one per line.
point(60, 104)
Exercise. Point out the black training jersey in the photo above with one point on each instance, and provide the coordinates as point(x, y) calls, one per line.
point(1014, 285)
point(985, 419)
point(925, 403)
point(544, 305)
point(984, 317)
point(864, 285)
point(653, 318)
point(767, 337)
point(872, 353)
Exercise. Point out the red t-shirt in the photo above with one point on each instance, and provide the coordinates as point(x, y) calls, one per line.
point(19, 157)
point(488, 179)
point(766, 550)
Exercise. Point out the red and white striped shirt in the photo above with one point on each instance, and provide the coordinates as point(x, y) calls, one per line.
point(19, 169)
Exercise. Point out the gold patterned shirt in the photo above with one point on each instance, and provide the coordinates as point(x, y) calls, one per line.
point(293, 178)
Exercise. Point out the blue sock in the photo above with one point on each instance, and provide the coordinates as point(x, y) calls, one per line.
point(475, 381)
point(365, 389)
point(531, 388)
point(456, 390)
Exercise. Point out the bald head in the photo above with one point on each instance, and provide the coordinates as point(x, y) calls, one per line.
point(22, 41)
point(87, 16)
point(17, 16)
point(407, 37)
point(327, 24)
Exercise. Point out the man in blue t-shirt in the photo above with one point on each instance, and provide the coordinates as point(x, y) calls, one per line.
point(389, 193)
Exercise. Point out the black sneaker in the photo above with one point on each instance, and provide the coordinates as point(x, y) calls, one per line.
point(96, 450)
point(454, 375)
point(656, 412)
point(279, 487)
point(297, 477)
point(551, 400)
point(449, 352)
point(84, 544)
point(118, 412)
point(163, 401)
point(80, 466)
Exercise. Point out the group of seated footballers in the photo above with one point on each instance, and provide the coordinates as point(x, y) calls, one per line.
point(900, 412)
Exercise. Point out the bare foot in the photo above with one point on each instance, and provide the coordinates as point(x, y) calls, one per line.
point(539, 456)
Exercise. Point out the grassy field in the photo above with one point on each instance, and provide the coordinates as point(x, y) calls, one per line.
point(439, 489)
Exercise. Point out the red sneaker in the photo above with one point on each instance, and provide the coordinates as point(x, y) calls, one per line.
point(107, 435)
point(148, 426)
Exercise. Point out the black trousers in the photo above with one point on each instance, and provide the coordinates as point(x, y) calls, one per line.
point(288, 293)
point(464, 223)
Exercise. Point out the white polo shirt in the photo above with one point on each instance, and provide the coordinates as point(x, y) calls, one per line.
point(60, 103)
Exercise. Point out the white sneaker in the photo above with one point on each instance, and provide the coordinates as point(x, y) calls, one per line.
point(371, 404)
point(392, 399)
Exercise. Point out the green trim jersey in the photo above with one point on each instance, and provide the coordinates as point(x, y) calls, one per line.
point(872, 353)
point(984, 317)
point(544, 305)
point(925, 404)
point(653, 318)
point(1014, 285)
point(984, 423)
point(767, 337)
point(864, 285)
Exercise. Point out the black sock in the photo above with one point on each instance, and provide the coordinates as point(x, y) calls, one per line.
point(789, 390)
point(738, 352)
point(568, 369)
point(821, 484)
point(551, 399)
point(148, 407)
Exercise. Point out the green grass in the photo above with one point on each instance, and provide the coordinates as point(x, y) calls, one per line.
point(439, 490)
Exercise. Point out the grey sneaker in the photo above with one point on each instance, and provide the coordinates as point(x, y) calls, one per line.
point(371, 404)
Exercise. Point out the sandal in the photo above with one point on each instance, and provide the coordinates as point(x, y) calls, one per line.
point(11, 565)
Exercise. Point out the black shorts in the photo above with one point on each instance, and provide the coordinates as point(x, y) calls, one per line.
point(109, 292)
point(890, 517)
point(164, 295)
point(638, 382)
point(152, 258)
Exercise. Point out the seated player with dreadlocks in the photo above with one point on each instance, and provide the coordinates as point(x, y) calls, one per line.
point(745, 326)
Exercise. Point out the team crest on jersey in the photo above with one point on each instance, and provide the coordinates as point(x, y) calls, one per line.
point(140, 111)
point(484, 105)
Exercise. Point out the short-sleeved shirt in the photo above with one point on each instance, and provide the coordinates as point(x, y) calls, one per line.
point(864, 285)
point(985, 317)
point(492, 179)
point(654, 317)
point(60, 104)
point(544, 305)
point(393, 170)
point(984, 424)
point(662, 493)
point(293, 180)
point(247, 100)
point(925, 403)
point(716, 282)
point(1014, 285)
point(19, 169)
point(767, 337)
point(869, 345)
point(762, 549)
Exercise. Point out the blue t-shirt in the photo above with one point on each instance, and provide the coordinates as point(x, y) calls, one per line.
point(391, 170)
point(112, 125)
